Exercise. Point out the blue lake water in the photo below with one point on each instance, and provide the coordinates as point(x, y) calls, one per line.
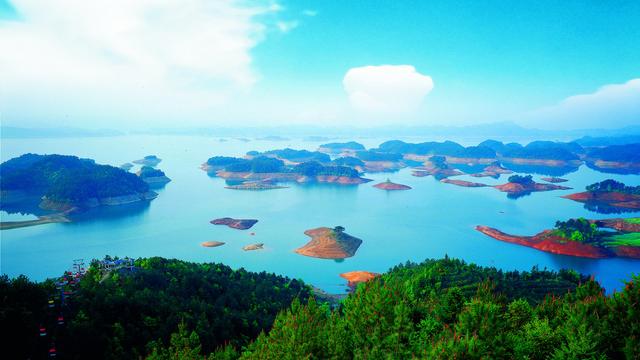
point(429, 221)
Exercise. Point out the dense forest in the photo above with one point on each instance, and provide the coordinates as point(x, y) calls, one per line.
point(449, 310)
point(170, 309)
point(67, 178)
point(126, 314)
point(610, 185)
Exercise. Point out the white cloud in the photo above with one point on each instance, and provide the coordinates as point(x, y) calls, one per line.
point(309, 12)
point(614, 105)
point(386, 89)
point(286, 26)
point(127, 57)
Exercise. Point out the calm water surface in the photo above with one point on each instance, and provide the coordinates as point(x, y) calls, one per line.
point(429, 221)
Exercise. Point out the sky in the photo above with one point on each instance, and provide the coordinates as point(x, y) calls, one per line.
point(157, 63)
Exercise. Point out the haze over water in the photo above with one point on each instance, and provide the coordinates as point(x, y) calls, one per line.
point(430, 221)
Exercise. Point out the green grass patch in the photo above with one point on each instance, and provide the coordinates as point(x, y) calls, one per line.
point(633, 220)
point(628, 239)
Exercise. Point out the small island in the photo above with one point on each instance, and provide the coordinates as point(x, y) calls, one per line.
point(258, 246)
point(523, 185)
point(240, 224)
point(152, 176)
point(212, 243)
point(149, 160)
point(327, 243)
point(356, 277)
point(341, 148)
point(437, 167)
point(390, 186)
point(609, 194)
point(554, 180)
point(463, 183)
point(580, 237)
point(265, 184)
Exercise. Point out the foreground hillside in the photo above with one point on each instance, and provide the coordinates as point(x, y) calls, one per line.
point(170, 309)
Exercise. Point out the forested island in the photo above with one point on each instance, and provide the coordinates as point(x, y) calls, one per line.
point(168, 309)
point(63, 183)
point(274, 169)
point(609, 196)
point(581, 237)
point(152, 176)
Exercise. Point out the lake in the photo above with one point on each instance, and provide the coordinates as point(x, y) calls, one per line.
point(430, 221)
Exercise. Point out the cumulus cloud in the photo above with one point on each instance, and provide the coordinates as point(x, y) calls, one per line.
point(72, 54)
point(613, 105)
point(386, 89)
point(309, 12)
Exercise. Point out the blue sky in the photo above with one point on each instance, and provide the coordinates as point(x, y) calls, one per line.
point(545, 64)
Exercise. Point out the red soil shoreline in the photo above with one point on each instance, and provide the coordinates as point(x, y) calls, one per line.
point(545, 241)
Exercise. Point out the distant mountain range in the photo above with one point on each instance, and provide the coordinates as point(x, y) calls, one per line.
point(11, 132)
point(498, 130)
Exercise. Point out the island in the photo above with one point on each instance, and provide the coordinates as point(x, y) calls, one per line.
point(356, 277)
point(66, 184)
point(328, 243)
point(258, 246)
point(266, 184)
point(149, 160)
point(494, 170)
point(390, 186)
point(152, 176)
point(240, 224)
point(212, 243)
point(260, 168)
point(615, 158)
point(437, 167)
point(341, 148)
point(463, 183)
point(607, 194)
point(580, 237)
point(554, 180)
point(519, 185)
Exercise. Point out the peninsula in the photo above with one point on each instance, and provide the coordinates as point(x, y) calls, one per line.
point(581, 238)
point(327, 243)
point(62, 183)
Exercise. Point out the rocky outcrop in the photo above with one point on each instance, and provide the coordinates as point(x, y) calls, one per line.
point(327, 243)
point(463, 183)
point(554, 180)
point(258, 246)
point(212, 243)
point(388, 185)
point(356, 277)
point(240, 224)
